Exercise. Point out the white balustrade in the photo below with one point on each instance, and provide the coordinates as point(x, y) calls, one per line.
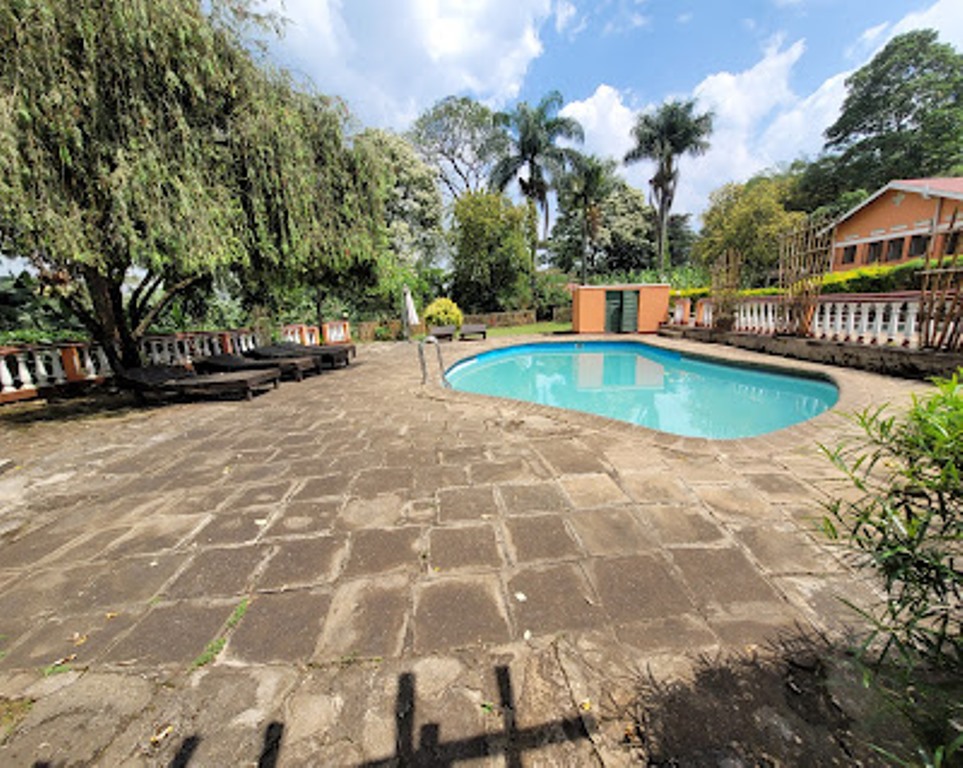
point(884, 319)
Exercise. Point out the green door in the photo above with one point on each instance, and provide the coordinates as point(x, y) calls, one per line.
point(630, 312)
point(613, 311)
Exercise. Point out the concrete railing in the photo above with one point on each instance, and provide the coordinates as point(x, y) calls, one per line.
point(870, 318)
point(25, 370)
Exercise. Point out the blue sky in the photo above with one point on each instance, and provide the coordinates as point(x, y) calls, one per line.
point(772, 71)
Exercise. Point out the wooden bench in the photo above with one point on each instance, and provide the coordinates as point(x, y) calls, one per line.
point(442, 332)
point(479, 330)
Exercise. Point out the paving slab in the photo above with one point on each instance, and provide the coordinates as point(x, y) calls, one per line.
point(367, 619)
point(173, 634)
point(465, 547)
point(541, 537)
point(218, 573)
point(611, 532)
point(532, 498)
point(469, 503)
point(553, 599)
point(303, 562)
point(592, 490)
point(639, 587)
point(279, 628)
point(458, 612)
point(382, 550)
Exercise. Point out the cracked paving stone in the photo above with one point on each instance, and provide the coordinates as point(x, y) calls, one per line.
point(303, 562)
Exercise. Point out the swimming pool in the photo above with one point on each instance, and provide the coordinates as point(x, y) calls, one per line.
point(656, 388)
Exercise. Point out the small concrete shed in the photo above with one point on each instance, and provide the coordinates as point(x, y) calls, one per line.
point(619, 308)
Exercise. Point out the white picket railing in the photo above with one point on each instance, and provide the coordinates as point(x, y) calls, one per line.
point(872, 318)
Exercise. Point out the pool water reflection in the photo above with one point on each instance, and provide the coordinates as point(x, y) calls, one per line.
point(647, 386)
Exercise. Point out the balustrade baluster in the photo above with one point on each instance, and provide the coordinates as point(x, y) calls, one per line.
point(851, 321)
point(42, 373)
point(893, 328)
point(909, 332)
point(6, 376)
point(23, 372)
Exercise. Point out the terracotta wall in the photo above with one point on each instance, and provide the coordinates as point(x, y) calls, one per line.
point(588, 310)
point(588, 306)
point(894, 214)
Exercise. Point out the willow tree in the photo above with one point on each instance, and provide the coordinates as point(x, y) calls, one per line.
point(113, 164)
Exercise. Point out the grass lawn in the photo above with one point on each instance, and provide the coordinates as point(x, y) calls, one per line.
point(520, 330)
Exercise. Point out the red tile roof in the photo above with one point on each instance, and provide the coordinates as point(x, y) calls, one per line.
point(948, 185)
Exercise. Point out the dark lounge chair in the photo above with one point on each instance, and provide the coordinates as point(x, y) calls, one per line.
point(292, 367)
point(330, 355)
point(177, 380)
point(442, 332)
point(473, 329)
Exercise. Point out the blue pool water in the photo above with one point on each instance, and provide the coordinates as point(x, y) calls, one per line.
point(644, 385)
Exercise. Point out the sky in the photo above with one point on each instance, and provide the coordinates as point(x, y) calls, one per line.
point(771, 71)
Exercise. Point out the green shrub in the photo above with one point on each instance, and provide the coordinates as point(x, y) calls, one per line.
point(443, 312)
point(908, 521)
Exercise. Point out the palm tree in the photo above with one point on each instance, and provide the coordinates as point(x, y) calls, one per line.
point(584, 188)
point(671, 131)
point(532, 135)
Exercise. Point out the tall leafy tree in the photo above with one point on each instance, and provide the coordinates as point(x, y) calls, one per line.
point(903, 114)
point(624, 241)
point(534, 156)
point(458, 136)
point(412, 202)
point(664, 136)
point(113, 157)
point(583, 189)
point(142, 151)
point(748, 218)
point(489, 262)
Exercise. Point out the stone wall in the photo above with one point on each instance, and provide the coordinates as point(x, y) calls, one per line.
point(891, 361)
point(503, 319)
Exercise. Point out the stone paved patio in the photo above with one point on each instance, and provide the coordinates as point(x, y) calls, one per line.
point(380, 570)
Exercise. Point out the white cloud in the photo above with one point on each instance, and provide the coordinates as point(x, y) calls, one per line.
point(392, 64)
point(606, 120)
point(564, 14)
point(944, 16)
point(684, 18)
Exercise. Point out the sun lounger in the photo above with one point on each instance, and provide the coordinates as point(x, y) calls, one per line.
point(442, 332)
point(176, 380)
point(293, 367)
point(473, 329)
point(331, 355)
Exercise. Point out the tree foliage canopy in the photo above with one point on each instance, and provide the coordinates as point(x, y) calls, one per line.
point(490, 263)
point(582, 190)
point(624, 241)
point(533, 156)
point(902, 118)
point(459, 138)
point(142, 149)
point(748, 218)
point(903, 113)
point(673, 130)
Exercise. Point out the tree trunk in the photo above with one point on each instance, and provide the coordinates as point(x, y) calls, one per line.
point(110, 328)
point(585, 244)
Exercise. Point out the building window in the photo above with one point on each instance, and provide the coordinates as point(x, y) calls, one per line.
point(849, 254)
point(874, 252)
point(918, 245)
point(894, 249)
point(952, 243)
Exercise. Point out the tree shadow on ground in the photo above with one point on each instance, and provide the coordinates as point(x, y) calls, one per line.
point(97, 403)
point(802, 700)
